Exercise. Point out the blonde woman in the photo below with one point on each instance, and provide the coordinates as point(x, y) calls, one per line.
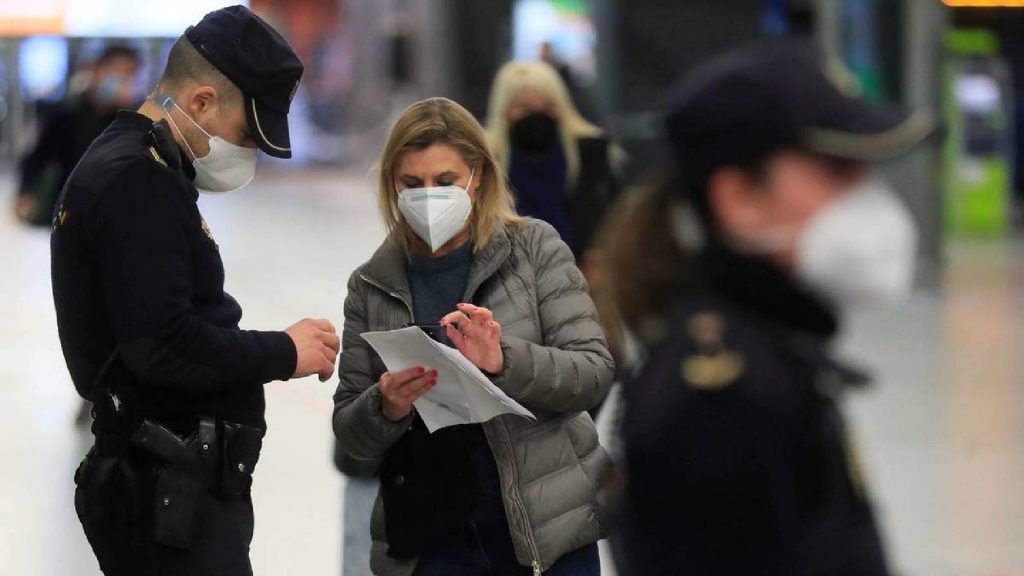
point(557, 162)
point(510, 496)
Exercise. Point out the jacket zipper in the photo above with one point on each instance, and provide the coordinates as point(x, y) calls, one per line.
point(394, 295)
point(517, 501)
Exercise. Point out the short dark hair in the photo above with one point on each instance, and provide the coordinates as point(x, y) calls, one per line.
point(186, 65)
point(115, 51)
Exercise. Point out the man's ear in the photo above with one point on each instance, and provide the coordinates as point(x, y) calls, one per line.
point(200, 100)
point(736, 201)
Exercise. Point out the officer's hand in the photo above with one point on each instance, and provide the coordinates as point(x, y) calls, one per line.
point(316, 346)
point(403, 388)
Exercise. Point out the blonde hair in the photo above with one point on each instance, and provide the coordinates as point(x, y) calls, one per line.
point(513, 78)
point(442, 121)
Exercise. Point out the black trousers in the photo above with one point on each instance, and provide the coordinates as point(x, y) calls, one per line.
point(114, 502)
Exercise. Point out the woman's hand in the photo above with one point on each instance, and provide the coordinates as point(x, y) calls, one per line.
point(403, 388)
point(477, 335)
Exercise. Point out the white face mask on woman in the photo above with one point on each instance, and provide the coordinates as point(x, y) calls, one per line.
point(436, 214)
point(861, 249)
point(858, 250)
point(226, 168)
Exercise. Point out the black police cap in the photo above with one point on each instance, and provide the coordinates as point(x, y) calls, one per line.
point(261, 63)
point(747, 104)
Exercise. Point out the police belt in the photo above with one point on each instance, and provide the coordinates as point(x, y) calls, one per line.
point(217, 458)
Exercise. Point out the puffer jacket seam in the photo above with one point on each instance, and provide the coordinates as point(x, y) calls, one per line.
point(548, 475)
point(566, 513)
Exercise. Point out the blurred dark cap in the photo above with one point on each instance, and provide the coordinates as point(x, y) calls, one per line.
point(260, 62)
point(742, 107)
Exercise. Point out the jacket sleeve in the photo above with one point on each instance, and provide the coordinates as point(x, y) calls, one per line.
point(363, 432)
point(572, 370)
point(145, 261)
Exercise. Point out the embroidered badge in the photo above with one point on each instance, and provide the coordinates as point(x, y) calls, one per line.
point(714, 366)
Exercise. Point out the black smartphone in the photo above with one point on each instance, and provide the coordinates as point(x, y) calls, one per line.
point(438, 332)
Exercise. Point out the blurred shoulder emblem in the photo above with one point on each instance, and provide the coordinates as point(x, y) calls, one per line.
point(714, 366)
point(60, 217)
point(206, 230)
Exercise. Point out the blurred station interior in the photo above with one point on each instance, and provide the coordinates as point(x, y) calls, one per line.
point(940, 430)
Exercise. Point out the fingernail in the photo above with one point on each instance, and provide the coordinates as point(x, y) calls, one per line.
point(420, 370)
point(433, 382)
point(434, 373)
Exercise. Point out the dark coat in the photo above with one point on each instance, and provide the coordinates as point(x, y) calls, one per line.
point(738, 458)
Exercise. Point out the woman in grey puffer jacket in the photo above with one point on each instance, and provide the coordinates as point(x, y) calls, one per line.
point(512, 495)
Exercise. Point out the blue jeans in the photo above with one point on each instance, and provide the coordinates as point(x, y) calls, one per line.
point(490, 553)
point(360, 494)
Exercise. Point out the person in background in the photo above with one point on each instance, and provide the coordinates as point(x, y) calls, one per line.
point(561, 167)
point(732, 274)
point(512, 495)
point(577, 94)
point(71, 128)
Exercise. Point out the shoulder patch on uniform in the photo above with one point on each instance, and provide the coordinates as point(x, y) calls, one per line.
point(714, 366)
point(60, 217)
point(207, 231)
point(156, 156)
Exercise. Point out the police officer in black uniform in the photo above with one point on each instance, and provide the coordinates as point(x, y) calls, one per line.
point(738, 459)
point(147, 330)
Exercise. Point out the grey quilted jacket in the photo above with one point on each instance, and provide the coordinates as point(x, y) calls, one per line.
point(556, 364)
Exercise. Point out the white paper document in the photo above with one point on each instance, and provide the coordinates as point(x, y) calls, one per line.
point(463, 394)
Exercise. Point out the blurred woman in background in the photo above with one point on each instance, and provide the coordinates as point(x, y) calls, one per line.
point(731, 274)
point(561, 166)
point(510, 496)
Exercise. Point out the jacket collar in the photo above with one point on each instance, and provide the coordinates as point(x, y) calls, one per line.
point(767, 293)
point(388, 267)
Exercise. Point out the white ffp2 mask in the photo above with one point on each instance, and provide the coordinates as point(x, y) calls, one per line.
point(226, 168)
point(860, 249)
point(436, 214)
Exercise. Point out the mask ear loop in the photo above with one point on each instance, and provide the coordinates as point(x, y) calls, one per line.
point(166, 103)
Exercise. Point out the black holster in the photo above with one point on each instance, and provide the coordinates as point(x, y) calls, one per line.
point(184, 472)
point(210, 461)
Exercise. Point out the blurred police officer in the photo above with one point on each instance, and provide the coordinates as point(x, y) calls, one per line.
point(738, 458)
point(148, 332)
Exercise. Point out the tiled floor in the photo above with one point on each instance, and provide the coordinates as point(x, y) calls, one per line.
point(940, 433)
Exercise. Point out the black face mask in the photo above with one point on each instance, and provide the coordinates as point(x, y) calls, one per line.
point(535, 133)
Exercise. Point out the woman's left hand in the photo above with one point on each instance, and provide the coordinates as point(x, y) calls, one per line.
point(477, 335)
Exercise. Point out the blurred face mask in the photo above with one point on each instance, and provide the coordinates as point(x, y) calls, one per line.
point(858, 250)
point(861, 249)
point(226, 168)
point(436, 214)
point(534, 133)
point(109, 89)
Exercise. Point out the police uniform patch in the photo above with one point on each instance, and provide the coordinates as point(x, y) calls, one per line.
point(60, 218)
point(206, 230)
point(156, 156)
point(714, 366)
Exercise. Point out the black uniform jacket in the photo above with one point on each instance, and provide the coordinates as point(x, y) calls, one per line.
point(738, 460)
point(138, 285)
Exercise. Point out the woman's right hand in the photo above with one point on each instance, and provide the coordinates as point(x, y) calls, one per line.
point(403, 388)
